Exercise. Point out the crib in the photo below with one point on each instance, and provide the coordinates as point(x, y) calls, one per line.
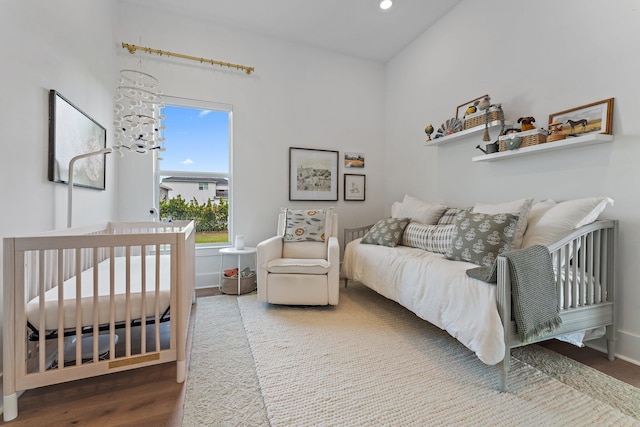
point(88, 301)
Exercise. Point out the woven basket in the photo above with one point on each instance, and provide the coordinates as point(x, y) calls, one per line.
point(529, 138)
point(230, 285)
point(478, 119)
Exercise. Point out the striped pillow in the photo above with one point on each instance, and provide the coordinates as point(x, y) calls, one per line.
point(449, 216)
point(432, 238)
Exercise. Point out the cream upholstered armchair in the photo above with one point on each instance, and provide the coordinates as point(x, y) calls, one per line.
point(300, 266)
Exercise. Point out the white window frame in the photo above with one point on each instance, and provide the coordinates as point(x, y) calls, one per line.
point(204, 105)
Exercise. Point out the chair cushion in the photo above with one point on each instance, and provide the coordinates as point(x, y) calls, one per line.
point(298, 266)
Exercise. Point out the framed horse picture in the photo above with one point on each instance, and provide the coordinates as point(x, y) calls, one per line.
point(594, 117)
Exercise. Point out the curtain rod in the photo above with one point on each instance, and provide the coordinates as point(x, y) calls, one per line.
point(132, 49)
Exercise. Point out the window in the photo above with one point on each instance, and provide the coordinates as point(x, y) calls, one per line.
point(193, 172)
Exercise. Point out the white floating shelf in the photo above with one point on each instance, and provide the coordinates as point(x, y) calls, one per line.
point(570, 142)
point(467, 132)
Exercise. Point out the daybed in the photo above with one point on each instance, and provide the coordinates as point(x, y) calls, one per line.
point(70, 296)
point(421, 271)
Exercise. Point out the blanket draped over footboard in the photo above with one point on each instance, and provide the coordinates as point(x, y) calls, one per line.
point(87, 301)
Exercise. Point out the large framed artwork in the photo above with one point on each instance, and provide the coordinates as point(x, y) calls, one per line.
point(594, 117)
point(72, 132)
point(313, 174)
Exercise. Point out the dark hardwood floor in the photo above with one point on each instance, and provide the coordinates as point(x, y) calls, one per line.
point(151, 397)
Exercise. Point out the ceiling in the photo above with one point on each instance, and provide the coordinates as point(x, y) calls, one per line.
point(353, 27)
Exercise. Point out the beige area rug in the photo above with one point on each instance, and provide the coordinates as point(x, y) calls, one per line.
point(370, 362)
point(222, 387)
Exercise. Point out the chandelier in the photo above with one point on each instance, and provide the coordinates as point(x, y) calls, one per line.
point(138, 107)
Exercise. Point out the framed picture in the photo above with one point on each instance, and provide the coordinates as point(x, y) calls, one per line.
point(354, 160)
point(313, 174)
point(73, 132)
point(595, 117)
point(354, 187)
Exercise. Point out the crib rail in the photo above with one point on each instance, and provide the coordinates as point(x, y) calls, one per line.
point(86, 283)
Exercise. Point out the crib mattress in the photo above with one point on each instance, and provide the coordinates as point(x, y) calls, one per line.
point(86, 300)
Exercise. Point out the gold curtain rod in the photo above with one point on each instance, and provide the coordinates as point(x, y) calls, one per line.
point(132, 49)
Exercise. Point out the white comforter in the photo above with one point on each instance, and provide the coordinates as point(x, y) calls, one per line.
point(434, 288)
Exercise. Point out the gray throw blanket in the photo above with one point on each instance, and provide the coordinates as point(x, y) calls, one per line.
point(533, 290)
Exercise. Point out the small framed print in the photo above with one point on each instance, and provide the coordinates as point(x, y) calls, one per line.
point(354, 187)
point(354, 160)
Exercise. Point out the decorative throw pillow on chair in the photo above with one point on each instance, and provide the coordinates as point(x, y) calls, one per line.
point(303, 225)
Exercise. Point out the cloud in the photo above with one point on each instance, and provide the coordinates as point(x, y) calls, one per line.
point(204, 113)
point(187, 162)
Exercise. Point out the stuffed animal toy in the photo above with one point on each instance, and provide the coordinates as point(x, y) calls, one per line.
point(527, 123)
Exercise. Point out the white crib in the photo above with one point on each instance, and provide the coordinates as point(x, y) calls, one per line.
point(71, 297)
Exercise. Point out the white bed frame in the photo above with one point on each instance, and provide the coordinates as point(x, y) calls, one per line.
point(36, 264)
point(594, 265)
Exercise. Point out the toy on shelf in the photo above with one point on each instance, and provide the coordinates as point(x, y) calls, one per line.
point(527, 123)
point(555, 132)
point(428, 130)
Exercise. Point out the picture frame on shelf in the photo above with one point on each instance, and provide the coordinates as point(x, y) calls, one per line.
point(354, 160)
point(73, 132)
point(467, 105)
point(313, 174)
point(595, 117)
point(354, 187)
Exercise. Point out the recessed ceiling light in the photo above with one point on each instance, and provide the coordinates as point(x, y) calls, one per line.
point(386, 4)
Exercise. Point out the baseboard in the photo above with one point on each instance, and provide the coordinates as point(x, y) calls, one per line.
point(627, 346)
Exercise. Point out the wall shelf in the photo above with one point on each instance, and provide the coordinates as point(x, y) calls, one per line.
point(463, 133)
point(571, 142)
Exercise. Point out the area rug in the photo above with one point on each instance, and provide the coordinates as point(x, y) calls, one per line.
point(222, 387)
point(370, 362)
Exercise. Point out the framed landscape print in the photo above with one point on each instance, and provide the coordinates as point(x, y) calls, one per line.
point(354, 187)
point(313, 174)
point(595, 117)
point(354, 160)
point(72, 132)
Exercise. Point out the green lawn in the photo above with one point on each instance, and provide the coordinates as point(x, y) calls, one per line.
point(213, 237)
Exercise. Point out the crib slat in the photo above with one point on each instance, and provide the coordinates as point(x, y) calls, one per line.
point(128, 302)
point(41, 327)
point(156, 309)
point(96, 307)
point(143, 302)
point(61, 270)
point(112, 303)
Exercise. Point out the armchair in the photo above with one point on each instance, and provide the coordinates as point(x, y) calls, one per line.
point(300, 272)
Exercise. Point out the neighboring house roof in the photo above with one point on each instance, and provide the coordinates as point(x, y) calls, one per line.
point(219, 181)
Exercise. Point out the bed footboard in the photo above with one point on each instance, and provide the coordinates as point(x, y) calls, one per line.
point(584, 262)
point(66, 293)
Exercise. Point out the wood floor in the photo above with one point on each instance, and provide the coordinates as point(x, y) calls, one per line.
point(151, 397)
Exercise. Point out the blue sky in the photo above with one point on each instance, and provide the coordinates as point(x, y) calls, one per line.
point(196, 140)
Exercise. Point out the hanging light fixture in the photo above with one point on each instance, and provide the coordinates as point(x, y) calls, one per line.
point(138, 107)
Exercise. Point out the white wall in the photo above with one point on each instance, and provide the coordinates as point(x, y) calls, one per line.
point(68, 46)
point(297, 97)
point(536, 60)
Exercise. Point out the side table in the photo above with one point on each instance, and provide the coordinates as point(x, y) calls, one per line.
point(238, 253)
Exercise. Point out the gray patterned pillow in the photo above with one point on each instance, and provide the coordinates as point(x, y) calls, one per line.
point(304, 225)
point(386, 232)
point(432, 238)
point(480, 238)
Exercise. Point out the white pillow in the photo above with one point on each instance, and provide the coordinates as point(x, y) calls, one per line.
point(519, 207)
point(556, 219)
point(417, 210)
